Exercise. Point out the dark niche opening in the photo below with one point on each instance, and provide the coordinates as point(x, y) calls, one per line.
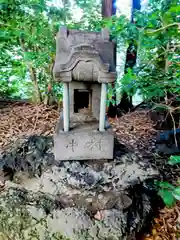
point(82, 99)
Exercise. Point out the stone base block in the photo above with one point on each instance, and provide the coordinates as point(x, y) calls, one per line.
point(83, 142)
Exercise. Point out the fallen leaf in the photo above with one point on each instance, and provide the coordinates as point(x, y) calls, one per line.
point(99, 215)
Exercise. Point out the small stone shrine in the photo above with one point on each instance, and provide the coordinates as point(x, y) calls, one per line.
point(85, 64)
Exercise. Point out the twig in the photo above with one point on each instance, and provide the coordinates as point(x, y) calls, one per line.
point(174, 127)
point(37, 115)
point(163, 28)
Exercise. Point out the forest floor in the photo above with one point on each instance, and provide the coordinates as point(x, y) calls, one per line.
point(135, 130)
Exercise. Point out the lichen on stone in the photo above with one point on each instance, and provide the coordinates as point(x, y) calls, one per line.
point(20, 221)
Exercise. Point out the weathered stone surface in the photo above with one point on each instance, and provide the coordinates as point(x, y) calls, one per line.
point(83, 142)
point(84, 56)
point(61, 202)
point(84, 60)
point(29, 154)
point(93, 112)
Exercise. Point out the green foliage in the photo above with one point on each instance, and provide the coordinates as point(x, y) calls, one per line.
point(168, 192)
point(9, 89)
point(167, 197)
point(130, 82)
point(25, 34)
point(110, 94)
point(28, 30)
point(156, 33)
point(29, 27)
point(174, 160)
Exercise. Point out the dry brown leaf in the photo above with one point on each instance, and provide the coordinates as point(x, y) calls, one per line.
point(166, 225)
point(23, 120)
point(135, 130)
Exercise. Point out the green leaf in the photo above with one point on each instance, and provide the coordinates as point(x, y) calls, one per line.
point(166, 185)
point(176, 193)
point(28, 56)
point(175, 9)
point(167, 197)
point(174, 160)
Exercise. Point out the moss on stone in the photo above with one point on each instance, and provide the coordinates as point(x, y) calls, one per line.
point(17, 223)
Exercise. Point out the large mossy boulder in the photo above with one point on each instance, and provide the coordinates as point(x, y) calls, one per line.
point(44, 199)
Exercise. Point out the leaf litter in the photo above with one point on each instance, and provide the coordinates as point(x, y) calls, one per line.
point(19, 120)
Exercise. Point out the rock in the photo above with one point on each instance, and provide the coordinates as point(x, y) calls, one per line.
point(75, 200)
point(164, 149)
point(30, 218)
point(123, 202)
point(65, 201)
point(2, 185)
point(167, 135)
point(165, 142)
point(28, 154)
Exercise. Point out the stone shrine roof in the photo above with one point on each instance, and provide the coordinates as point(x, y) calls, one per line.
point(84, 56)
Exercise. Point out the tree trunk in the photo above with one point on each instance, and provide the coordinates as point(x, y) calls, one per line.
point(108, 10)
point(38, 96)
point(32, 72)
point(50, 96)
point(126, 102)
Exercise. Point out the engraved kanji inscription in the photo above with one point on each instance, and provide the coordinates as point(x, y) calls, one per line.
point(93, 143)
point(72, 144)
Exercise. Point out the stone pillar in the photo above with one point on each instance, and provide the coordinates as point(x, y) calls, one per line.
point(102, 107)
point(66, 106)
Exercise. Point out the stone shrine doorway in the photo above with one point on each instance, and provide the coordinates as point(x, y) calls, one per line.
point(82, 100)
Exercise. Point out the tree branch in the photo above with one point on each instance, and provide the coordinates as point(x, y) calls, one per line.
point(163, 28)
